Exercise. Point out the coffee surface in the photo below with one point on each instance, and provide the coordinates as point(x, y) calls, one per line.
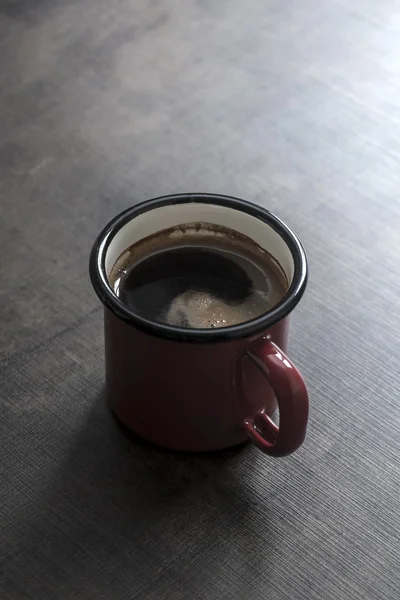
point(198, 276)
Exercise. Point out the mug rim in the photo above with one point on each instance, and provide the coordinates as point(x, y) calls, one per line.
point(260, 324)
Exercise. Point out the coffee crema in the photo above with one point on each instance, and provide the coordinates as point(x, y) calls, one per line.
point(198, 275)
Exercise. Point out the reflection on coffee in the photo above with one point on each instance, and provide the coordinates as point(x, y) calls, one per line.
point(198, 276)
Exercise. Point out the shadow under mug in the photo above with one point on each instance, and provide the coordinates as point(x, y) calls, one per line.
point(203, 389)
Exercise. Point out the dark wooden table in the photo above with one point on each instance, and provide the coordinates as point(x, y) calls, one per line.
point(294, 105)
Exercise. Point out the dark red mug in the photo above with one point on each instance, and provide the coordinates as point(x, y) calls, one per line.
point(203, 389)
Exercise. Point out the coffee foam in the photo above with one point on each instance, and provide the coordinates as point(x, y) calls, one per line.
point(201, 310)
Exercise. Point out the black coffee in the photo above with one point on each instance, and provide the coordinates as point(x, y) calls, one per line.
point(198, 275)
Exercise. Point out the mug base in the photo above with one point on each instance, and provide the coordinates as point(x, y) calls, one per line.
point(199, 448)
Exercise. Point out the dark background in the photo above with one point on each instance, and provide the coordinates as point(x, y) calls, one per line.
point(294, 105)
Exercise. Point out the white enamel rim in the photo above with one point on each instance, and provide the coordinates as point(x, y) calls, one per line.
point(151, 216)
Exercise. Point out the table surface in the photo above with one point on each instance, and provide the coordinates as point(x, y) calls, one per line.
point(293, 105)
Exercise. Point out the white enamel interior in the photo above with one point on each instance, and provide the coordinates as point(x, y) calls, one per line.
point(165, 217)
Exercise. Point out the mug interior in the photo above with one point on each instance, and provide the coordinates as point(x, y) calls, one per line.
point(165, 217)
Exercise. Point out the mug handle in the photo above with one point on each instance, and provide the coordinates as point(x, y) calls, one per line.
point(292, 397)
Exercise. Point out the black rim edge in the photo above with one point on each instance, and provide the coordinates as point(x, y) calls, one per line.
point(249, 328)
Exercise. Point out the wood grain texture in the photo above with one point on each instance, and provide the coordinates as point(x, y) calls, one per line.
point(294, 105)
